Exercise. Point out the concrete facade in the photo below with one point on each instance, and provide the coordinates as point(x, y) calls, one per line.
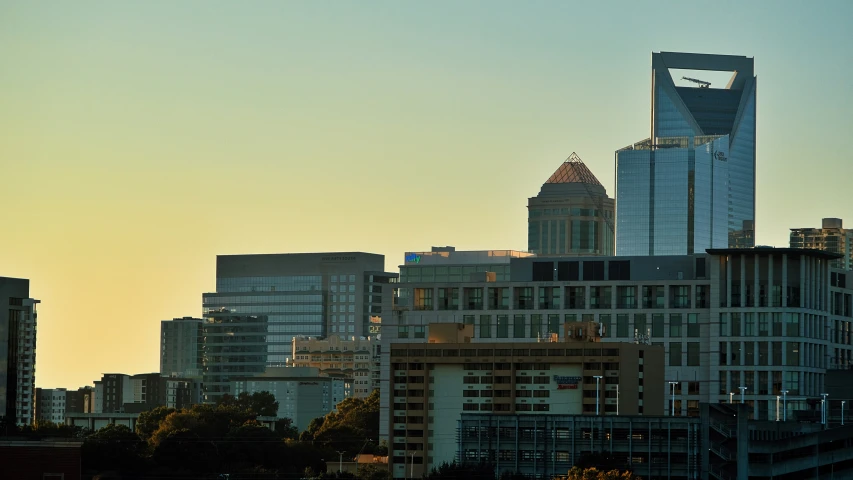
point(356, 359)
point(831, 237)
point(50, 405)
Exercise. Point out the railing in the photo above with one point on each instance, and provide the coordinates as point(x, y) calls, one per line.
point(719, 473)
point(720, 427)
point(722, 452)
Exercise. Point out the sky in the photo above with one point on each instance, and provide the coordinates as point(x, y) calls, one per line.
point(138, 140)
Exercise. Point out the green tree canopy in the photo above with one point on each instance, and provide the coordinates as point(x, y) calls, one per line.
point(352, 428)
point(259, 403)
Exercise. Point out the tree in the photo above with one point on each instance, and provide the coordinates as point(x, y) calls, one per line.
point(259, 403)
point(354, 425)
point(148, 422)
point(372, 471)
point(113, 448)
point(592, 473)
point(285, 428)
point(459, 471)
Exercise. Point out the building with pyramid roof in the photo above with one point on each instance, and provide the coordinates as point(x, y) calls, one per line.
point(572, 215)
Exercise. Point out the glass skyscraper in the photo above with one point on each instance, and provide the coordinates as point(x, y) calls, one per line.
point(691, 184)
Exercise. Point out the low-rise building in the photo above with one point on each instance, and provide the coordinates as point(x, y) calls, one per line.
point(301, 392)
point(341, 357)
point(432, 384)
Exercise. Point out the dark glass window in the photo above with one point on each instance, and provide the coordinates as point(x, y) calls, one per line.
point(619, 270)
point(568, 271)
point(543, 271)
point(593, 270)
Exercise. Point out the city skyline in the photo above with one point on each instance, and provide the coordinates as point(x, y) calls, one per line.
point(140, 153)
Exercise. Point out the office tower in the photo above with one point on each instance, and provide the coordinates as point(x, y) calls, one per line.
point(234, 345)
point(572, 215)
point(831, 237)
point(180, 347)
point(303, 294)
point(692, 182)
point(17, 351)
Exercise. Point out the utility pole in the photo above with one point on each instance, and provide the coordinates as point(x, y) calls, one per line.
point(597, 383)
point(340, 462)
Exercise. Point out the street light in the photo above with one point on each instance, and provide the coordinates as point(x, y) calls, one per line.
point(597, 383)
point(784, 405)
point(340, 462)
point(672, 390)
point(823, 408)
point(778, 397)
point(842, 411)
point(617, 403)
point(742, 389)
point(731, 397)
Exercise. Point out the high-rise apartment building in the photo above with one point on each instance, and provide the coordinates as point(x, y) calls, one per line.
point(181, 347)
point(572, 215)
point(831, 237)
point(302, 294)
point(692, 182)
point(234, 346)
point(17, 351)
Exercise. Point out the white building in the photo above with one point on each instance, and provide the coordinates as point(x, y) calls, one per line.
point(301, 392)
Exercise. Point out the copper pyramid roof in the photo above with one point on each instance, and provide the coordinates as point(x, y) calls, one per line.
point(573, 170)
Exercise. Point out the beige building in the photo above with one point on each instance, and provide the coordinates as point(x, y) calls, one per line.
point(356, 358)
point(831, 237)
point(432, 384)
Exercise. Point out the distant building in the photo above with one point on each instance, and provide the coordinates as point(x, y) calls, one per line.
point(743, 238)
point(181, 347)
point(80, 401)
point(301, 392)
point(831, 237)
point(17, 351)
point(234, 346)
point(356, 359)
point(183, 392)
point(572, 215)
point(692, 182)
point(302, 294)
point(50, 405)
point(41, 460)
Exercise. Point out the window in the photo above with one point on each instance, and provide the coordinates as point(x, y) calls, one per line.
point(693, 325)
point(657, 325)
point(701, 296)
point(763, 329)
point(640, 326)
point(792, 382)
point(524, 298)
point(777, 324)
point(792, 354)
point(627, 296)
point(599, 297)
point(735, 324)
point(543, 271)
point(420, 332)
point(485, 326)
point(402, 332)
point(692, 354)
point(575, 297)
point(792, 321)
point(536, 326)
point(674, 324)
point(605, 322)
point(763, 356)
point(675, 354)
point(622, 325)
point(619, 270)
point(748, 324)
point(518, 326)
point(724, 357)
point(468, 319)
point(724, 324)
point(503, 326)
point(679, 296)
point(568, 271)
point(553, 323)
point(593, 270)
point(653, 297)
point(748, 353)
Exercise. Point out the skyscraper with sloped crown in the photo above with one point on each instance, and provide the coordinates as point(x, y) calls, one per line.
point(572, 215)
point(691, 184)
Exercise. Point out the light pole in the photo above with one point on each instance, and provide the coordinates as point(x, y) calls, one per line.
point(842, 411)
point(731, 397)
point(823, 408)
point(672, 394)
point(597, 383)
point(784, 405)
point(412, 466)
point(340, 462)
point(742, 389)
point(778, 398)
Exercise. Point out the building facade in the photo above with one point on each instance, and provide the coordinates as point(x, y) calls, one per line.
point(356, 359)
point(302, 294)
point(767, 319)
point(50, 405)
point(692, 182)
point(301, 392)
point(831, 237)
point(572, 214)
point(234, 346)
point(181, 347)
point(18, 318)
point(432, 384)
